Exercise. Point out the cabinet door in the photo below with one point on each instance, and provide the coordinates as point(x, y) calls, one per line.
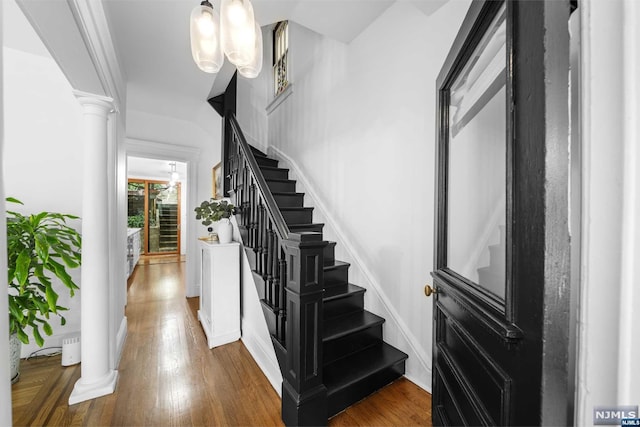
point(205, 297)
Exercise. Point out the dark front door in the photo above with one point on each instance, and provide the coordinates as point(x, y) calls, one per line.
point(501, 307)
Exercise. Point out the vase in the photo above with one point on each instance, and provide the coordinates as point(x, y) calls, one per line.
point(225, 231)
point(15, 345)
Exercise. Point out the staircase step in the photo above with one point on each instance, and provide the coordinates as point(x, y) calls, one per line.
point(270, 315)
point(330, 253)
point(289, 200)
point(342, 299)
point(257, 152)
point(297, 215)
point(349, 334)
point(354, 377)
point(358, 341)
point(296, 228)
point(336, 273)
point(281, 184)
point(259, 284)
point(281, 353)
point(274, 173)
point(351, 323)
point(265, 161)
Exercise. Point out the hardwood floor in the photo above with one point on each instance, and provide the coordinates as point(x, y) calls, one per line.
point(168, 376)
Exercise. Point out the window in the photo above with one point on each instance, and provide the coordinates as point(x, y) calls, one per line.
point(280, 55)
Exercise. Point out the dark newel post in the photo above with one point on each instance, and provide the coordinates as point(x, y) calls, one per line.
point(304, 396)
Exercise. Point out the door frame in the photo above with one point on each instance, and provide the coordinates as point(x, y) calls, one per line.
point(538, 243)
point(191, 156)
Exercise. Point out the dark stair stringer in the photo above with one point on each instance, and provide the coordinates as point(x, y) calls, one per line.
point(356, 360)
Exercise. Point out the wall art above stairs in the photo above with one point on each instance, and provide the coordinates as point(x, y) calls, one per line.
point(330, 349)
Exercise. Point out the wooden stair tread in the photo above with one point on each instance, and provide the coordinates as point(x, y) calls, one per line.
point(286, 193)
point(344, 325)
point(335, 292)
point(278, 179)
point(272, 168)
point(296, 209)
point(336, 264)
point(257, 152)
point(308, 226)
point(358, 366)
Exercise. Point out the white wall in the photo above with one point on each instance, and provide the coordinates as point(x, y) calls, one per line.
point(202, 151)
point(5, 387)
point(608, 372)
point(360, 127)
point(43, 148)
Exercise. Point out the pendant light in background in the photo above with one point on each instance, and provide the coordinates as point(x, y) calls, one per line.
point(174, 176)
point(252, 69)
point(205, 38)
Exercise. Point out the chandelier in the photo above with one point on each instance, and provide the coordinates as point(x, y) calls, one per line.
point(234, 33)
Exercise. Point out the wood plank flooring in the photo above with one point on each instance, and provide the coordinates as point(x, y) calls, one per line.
point(168, 376)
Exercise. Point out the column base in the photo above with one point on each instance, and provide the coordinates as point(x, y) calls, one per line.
point(102, 387)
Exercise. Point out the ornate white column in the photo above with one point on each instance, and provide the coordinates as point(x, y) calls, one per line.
point(97, 378)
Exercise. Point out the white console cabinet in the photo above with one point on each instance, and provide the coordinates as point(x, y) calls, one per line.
point(133, 249)
point(219, 311)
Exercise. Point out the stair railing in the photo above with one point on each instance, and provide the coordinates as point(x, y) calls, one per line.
point(291, 265)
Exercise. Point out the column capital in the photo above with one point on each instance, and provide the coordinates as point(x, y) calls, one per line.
point(93, 101)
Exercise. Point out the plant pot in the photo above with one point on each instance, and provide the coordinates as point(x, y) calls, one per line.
point(15, 346)
point(225, 231)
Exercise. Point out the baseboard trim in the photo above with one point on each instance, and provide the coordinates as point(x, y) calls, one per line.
point(193, 290)
point(413, 344)
point(121, 338)
point(267, 364)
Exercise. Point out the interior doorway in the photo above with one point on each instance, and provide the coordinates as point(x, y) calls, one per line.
point(156, 201)
point(154, 208)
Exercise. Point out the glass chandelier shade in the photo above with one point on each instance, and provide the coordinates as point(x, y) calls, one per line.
point(237, 30)
point(252, 69)
point(205, 38)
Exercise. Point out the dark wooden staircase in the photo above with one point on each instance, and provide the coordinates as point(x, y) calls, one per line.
point(355, 360)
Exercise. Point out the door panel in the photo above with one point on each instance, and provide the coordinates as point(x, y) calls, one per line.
point(502, 243)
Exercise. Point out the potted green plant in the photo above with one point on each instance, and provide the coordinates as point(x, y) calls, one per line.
point(211, 211)
point(39, 246)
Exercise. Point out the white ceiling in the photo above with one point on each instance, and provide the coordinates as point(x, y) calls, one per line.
point(152, 41)
point(152, 38)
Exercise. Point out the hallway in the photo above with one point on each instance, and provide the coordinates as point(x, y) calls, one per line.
point(168, 376)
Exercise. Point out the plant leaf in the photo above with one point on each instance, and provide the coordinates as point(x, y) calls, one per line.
point(22, 267)
point(37, 336)
point(52, 298)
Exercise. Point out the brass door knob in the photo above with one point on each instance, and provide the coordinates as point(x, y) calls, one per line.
point(428, 290)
